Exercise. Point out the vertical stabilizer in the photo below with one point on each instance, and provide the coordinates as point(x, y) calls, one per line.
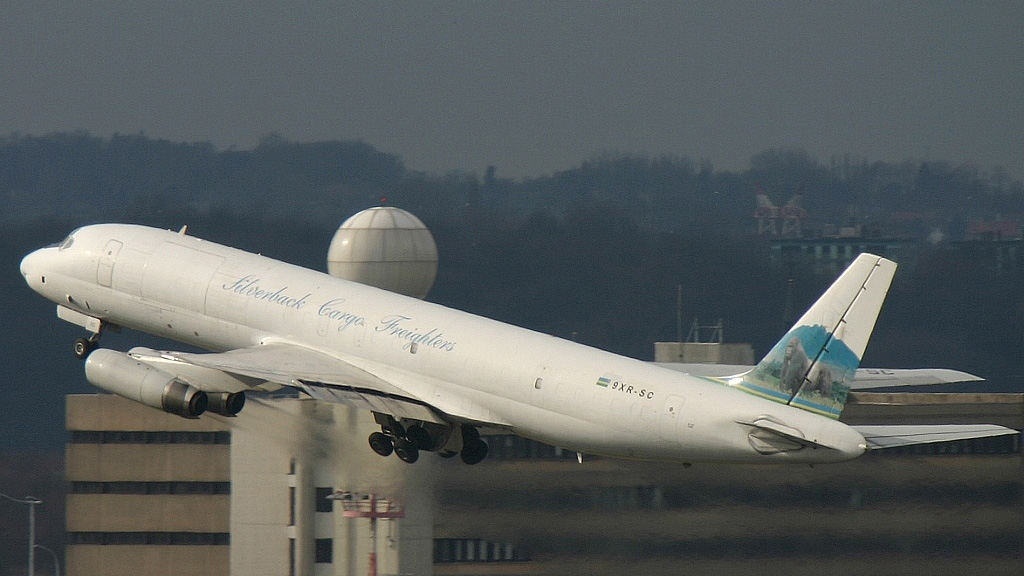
point(812, 366)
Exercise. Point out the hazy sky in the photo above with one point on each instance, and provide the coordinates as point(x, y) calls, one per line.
point(531, 87)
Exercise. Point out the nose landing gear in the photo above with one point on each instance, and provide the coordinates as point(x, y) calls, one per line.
point(85, 346)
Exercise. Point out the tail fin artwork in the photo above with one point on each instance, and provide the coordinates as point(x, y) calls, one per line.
point(812, 366)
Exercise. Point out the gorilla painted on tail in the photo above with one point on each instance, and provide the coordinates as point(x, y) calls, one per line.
point(794, 366)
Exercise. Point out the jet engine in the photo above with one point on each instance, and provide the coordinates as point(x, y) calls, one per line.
point(226, 403)
point(118, 373)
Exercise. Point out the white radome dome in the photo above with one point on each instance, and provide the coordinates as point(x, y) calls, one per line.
point(385, 247)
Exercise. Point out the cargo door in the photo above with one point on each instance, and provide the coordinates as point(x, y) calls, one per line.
point(179, 276)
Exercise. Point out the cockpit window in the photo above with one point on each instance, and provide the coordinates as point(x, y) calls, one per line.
point(67, 242)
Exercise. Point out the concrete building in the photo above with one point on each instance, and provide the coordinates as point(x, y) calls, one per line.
point(704, 353)
point(156, 494)
point(287, 457)
point(151, 493)
point(148, 493)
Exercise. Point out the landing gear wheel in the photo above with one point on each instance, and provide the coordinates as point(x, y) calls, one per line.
point(473, 448)
point(474, 451)
point(419, 437)
point(83, 347)
point(381, 444)
point(469, 433)
point(406, 451)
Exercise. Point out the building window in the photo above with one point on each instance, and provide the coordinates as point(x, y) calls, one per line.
point(150, 538)
point(291, 557)
point(324, 550)
point(143, 437)
point(322, 503)
point(150, 488)
point(452, 550)
point(291, 506)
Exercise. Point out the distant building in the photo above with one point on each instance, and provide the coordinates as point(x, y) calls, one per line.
point(996, 256)
point(830, 256)
point(996, 245)
point(993, 230)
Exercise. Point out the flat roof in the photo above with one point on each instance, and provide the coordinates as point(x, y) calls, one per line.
point(935, 408)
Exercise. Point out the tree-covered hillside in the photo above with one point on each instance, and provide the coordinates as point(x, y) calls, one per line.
point(86, 177)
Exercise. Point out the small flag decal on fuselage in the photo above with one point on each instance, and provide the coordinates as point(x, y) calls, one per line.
point(603, 382)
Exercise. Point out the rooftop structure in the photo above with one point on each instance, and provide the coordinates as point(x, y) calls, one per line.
point(385, 247)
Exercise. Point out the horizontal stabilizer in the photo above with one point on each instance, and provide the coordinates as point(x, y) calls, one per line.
point(868, 378)
point(892, 436)
point(863, 378)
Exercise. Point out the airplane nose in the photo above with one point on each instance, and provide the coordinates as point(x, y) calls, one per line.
point(31, 269)
point(26, 264)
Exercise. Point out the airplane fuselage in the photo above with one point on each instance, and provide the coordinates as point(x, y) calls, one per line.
point(469, 368)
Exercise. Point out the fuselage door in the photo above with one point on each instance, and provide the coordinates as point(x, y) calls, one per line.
point(671, 417)
point(105, 267)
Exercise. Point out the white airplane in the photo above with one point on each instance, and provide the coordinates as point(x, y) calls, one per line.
point(432, 375)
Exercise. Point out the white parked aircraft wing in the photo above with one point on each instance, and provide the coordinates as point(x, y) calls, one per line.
point(899, 435)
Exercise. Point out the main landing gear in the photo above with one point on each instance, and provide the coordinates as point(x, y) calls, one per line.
point(474, 449)
point(406, 442)
point(396, 439)
point(385, 445)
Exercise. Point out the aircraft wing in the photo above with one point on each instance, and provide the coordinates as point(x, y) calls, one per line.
point(322, 376)
point(864, 379)
point(905, 435)
point(286, 364)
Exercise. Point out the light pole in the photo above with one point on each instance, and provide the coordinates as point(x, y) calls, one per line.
point(56, 562)
point(370, 506)
point(32, 501)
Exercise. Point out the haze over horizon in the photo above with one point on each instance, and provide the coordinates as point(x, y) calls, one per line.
point(531, 88)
